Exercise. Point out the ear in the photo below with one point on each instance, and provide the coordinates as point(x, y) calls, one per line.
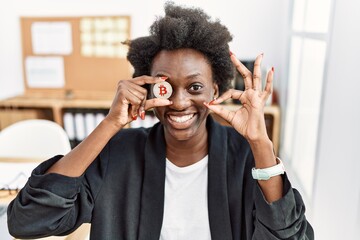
point(216, 90)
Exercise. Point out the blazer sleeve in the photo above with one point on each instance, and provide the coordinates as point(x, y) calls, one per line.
point(53, 204)
point(282, 219)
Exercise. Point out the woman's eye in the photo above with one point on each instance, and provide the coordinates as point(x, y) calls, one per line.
point(195, 87)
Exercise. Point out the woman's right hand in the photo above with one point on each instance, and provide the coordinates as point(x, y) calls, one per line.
point(131, 100)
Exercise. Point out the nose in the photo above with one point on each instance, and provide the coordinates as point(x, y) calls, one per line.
point(180, 100)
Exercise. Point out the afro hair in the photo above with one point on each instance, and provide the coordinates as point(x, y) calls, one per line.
point(185, 28)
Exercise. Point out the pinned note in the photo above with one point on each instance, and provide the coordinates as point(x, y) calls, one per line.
point(45, 72)
point(51, 38)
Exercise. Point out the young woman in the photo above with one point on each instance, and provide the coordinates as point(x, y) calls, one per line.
point(185, 178)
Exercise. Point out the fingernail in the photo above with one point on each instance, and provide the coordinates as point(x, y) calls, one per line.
point(142, 115)
point(163, 78)
point(262, 54)
point(273, 69)
point(212, 102)
point(231, 53)
point(134, 117)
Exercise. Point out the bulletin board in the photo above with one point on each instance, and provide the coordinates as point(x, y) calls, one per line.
point(74, 56)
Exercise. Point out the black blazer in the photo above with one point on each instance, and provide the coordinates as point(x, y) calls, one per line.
point(122, 193)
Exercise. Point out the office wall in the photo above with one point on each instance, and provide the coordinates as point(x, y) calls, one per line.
point(336, 203)
point(258, 26)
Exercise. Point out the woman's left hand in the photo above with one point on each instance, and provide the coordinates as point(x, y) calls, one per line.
point(248, 119)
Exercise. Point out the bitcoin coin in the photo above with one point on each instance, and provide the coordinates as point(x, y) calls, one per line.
point(162, 90)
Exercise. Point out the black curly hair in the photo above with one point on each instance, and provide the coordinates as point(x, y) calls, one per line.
point(185, 28)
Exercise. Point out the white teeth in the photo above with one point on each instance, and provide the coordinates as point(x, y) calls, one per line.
point(181, 119)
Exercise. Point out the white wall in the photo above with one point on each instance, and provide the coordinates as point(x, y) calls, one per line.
point(336, 203)
point(258, 26)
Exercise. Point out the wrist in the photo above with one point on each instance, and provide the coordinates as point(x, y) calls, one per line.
point(263, 152)
point(111, 124)
point(261, 145)
point(267, 173)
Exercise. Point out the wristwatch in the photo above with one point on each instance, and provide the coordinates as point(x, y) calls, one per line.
point(267, 173)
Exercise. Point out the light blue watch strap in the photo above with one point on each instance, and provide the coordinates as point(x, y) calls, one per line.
point(267, 173)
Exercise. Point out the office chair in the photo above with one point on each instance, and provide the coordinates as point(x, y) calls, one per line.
point(35, 138)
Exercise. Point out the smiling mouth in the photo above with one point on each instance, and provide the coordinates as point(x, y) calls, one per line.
point(181, 119)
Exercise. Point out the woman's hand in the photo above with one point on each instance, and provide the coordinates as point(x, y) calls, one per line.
point(248, 120)
point(130, 100)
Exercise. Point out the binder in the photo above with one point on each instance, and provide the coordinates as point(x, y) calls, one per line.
point(69, 125)
point(80, 132)
point(90, 122)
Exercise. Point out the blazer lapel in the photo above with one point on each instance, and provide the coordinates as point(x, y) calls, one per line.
point(219, 216)
point(152, 199)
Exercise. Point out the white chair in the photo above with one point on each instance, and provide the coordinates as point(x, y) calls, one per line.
point(25, 144)
point(34, 138)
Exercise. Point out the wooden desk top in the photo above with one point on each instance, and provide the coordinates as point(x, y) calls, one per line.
point(47, 102)
point(6, 197)
point(19, 160)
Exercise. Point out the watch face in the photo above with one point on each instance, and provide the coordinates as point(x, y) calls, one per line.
point(162, 90)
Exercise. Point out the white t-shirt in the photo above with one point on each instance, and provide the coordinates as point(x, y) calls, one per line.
point(186, 206)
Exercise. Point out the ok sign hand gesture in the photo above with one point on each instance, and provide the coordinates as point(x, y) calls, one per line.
point(248, 119)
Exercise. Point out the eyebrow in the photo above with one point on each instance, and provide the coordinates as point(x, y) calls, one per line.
point(191, 76)
point(160, 75)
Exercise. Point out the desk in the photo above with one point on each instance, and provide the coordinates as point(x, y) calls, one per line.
point(14, 171)
point(19, 160)
point(6, 197)
point(81, 233)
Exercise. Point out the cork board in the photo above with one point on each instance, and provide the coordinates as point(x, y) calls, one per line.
point(96, 61)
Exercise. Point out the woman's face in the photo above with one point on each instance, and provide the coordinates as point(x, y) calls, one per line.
point(190, 76)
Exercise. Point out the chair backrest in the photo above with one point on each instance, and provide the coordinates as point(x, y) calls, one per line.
point(34, 138)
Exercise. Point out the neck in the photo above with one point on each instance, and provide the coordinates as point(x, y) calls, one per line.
point(187, 152)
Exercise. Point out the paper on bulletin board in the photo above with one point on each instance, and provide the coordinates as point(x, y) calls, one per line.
point(51, 38)
point(45, 72)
